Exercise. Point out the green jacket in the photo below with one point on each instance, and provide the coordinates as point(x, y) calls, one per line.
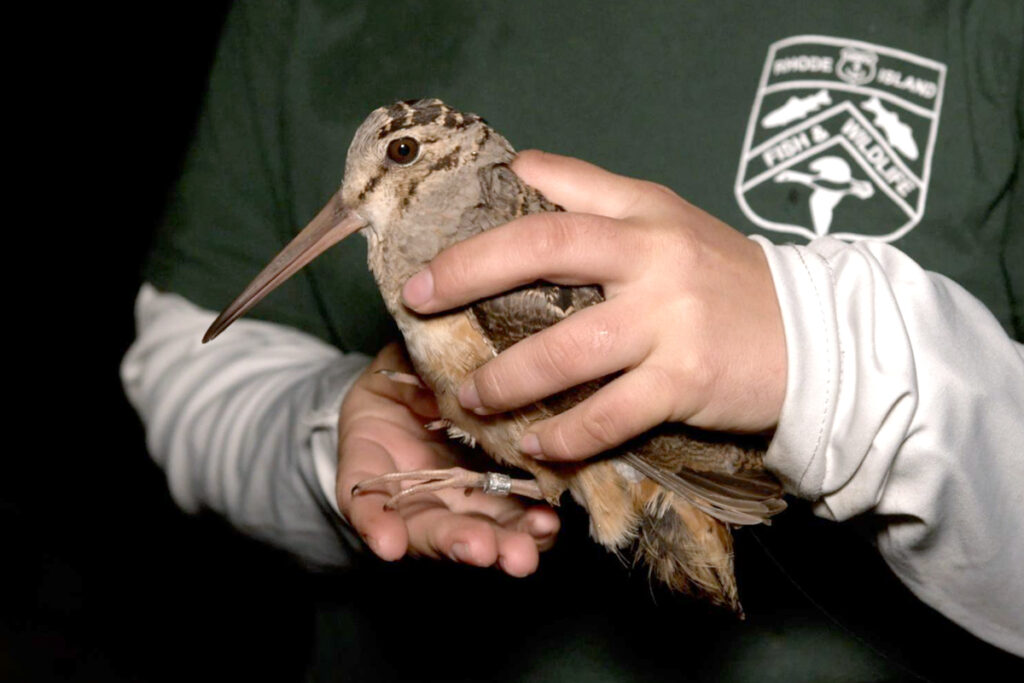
point(663, 91)
point(894, 122)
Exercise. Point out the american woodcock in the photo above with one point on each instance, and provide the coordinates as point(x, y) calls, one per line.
point(421, 176)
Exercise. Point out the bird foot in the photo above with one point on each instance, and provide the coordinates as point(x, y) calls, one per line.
point(493, 483)
point(403, 378)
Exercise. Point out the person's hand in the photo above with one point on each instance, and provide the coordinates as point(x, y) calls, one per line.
point(690, 318)
point(381, 431)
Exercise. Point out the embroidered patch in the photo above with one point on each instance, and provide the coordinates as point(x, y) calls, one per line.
point(840, 139)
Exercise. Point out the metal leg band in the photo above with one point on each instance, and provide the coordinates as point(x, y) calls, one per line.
point(497, 484)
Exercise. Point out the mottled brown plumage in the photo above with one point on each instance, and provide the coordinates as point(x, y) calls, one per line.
point(421, 176)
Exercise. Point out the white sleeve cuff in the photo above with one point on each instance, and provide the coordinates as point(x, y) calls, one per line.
point(245, 425)
point(323, 424)
point(904, 400)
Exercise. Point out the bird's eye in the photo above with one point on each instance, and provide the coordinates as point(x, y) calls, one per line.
point(403, 150)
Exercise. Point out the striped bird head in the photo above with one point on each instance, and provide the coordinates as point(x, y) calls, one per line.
point(416, 161)
point(411, 172)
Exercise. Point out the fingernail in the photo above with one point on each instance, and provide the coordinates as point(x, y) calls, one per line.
point(530, 445)
point(419, 288)
point(469, 398)
point(461, 553)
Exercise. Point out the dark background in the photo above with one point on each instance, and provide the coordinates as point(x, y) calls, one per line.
point(104, 579)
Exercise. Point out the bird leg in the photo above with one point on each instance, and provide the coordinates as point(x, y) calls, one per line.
point(493, 483)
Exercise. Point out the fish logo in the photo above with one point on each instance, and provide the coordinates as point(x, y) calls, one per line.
point(796, 108)
point(840, 139)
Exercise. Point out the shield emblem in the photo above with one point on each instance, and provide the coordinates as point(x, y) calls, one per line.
point(840, 139)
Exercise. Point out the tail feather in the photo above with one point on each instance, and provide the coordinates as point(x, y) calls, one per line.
point(685, 548)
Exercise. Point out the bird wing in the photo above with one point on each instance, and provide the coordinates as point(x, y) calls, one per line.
point(750, 497)
point(720, 473)
point(513, 316)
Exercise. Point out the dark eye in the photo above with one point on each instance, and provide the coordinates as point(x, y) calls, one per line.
point(403, 150)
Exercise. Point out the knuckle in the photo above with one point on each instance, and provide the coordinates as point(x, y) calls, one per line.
point(556, 442)
point(679, 244)
point(599, 339)
point(554, 233)
point(651, 188)
point(702, 377)
point(490, 387)
point(634, 199)
point(589, 338)
point(560, 352)
point(661, 388)
point(689, 249)
point(601, 424)
point(348, 443)
point(453, 272)
point(694, 313)
point(692, 373)
point(641, 194)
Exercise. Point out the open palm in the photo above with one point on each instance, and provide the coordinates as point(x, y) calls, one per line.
point(381, 431)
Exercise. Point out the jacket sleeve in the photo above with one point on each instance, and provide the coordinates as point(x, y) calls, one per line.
point(905, 401)
point(245, 425)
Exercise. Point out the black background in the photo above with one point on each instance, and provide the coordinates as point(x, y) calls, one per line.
point(104, 579)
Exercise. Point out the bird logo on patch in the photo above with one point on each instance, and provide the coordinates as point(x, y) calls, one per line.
point(840, 139)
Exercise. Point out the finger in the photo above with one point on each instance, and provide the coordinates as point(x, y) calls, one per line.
point(566, 248)
point(436, 532)
point(518, 555)
point(628, 406)
point(543, 525)
point(538, 520)
point(470, 539)
point(382, 530)
point(519, 533)
point(585, 188)
point(590, 344)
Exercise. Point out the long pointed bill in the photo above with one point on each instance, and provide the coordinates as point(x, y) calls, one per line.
point(334, 223)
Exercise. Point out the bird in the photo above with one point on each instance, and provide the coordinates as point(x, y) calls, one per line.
point(420, 176)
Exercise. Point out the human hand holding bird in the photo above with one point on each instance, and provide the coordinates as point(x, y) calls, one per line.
point(690, 314)
point(421, 177)
point(380, 431)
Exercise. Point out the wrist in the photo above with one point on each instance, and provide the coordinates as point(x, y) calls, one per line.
point(802, 286)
